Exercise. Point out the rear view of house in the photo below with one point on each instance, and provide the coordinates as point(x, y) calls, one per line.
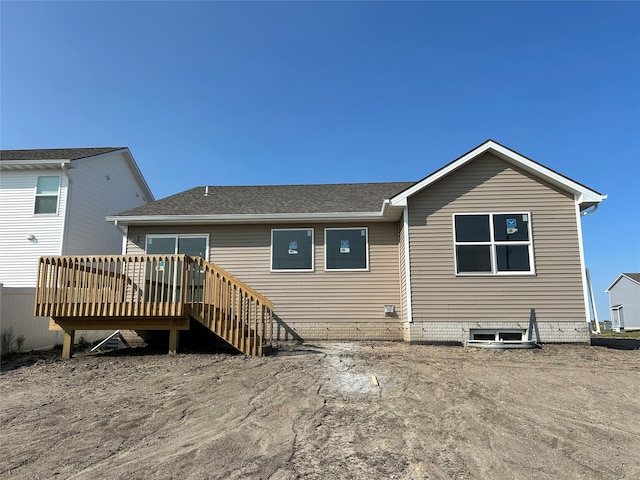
point(464, 254)
point(624, 302)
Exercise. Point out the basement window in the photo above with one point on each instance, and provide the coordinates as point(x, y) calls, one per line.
point(497, 335)
point(493, 244)
point(47, 191)
point(292, 250)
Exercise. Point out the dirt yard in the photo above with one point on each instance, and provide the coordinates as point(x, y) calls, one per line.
point(313, 411)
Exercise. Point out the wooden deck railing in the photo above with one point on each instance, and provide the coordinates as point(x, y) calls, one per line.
point(229, 307)
point(155, 286)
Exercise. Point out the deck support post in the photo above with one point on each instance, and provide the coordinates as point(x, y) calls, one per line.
point(174, 336)
point(67, 343)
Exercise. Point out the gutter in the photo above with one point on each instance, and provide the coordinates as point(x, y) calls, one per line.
point(381, 216)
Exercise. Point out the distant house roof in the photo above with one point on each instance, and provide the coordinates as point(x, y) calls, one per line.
point(270, 202)
point(55, 153)
point(634, 277)
point(55, 158)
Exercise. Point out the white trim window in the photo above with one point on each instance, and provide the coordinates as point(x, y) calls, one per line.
point(292, 250)
point(493, 244)
point(47, 194)
point(346, 249)
point(194, 245)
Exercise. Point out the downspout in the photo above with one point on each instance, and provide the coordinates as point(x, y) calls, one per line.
point(124, 232)
point(589, 299)
point(407, 266)
point(67, 202)
point(592, 298)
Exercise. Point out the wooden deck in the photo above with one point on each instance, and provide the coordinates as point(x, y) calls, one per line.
point(151, 292)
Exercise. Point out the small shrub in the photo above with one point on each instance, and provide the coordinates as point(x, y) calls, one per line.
point(83, 345)
point(9, 343)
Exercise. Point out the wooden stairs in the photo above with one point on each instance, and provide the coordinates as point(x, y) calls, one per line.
point(151, 292)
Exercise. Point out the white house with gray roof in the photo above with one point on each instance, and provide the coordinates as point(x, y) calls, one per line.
point(54, 202)
point(624, 302)
point(465, 253)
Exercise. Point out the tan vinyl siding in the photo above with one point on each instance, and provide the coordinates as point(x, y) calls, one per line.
point(490, 185)
point(318, 296)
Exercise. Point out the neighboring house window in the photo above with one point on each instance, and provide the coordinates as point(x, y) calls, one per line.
point(47, 190)
point(292, 250)
point(494, 243)
point(192, 245)
point(346, 249)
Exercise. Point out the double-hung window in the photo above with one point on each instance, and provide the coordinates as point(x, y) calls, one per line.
point(346, 249)
point(47, 190)
point(292, 250)
point(493, 243)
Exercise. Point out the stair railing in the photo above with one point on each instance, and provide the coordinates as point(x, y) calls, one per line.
point(227, 306)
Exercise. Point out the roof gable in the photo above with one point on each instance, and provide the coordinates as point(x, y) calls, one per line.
point(585, 196)
point(634, 277)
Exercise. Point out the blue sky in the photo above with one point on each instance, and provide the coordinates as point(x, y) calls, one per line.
point(243, 93)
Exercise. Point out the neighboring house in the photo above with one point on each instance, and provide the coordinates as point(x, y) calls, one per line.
point(464, 253)
point(54, 202)
point(624, 302)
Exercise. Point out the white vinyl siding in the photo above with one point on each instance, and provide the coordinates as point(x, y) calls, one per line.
point(99, 187)
point(320, 296)
point(24, 236)
point(489, 184)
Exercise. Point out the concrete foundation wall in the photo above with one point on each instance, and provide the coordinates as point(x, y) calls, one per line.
point(377, 330)
point(458, 332)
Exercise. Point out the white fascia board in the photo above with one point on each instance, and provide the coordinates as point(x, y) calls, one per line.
point(613, 283)
point(33, 164)
point(248, 218)
point(584, 194)
point(618, 279)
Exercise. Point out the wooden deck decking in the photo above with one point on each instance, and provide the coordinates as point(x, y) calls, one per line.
point(151, 292)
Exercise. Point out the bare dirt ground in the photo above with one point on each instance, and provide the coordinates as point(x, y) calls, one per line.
point(312, 411)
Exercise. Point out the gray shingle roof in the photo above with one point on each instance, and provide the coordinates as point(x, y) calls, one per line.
point(633, 276)
point(55, 153)
point(274, 199)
